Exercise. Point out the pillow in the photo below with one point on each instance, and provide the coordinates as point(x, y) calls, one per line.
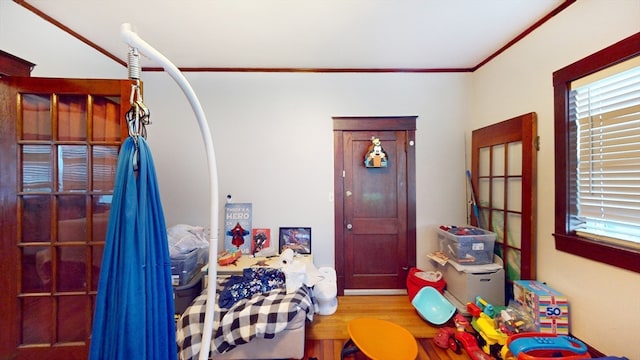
point(298, 273)
point(295, 274)
point(313, 275)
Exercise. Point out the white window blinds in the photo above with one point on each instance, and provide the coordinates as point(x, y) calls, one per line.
point(607, 115)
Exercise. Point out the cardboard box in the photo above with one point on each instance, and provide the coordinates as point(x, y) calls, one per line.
point(468, 246)
point(467, 282)
point(548, 307)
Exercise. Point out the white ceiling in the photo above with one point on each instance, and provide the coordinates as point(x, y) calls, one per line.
point(370, 34)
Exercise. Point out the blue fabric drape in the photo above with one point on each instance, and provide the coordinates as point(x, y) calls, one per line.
point(134, 313)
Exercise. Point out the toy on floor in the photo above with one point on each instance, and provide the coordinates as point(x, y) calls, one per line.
point(495, 324)
point(459, 338)
point(433, 306)
point(417, 279)
point(486, 307)
point(543, 346)
point(445, 339)
point(492, 339)
point(514, 320)
point(379, 339)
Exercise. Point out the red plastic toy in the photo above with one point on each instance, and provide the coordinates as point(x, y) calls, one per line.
point(450, 338)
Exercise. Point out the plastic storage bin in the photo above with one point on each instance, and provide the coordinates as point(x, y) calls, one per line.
point(467, 282)
point(467, 245)
point(184, 295)
point(184, 267)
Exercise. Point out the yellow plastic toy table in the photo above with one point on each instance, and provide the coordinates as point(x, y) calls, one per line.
point(379, 340)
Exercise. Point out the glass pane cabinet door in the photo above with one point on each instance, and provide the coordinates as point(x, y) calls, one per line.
point(66, 139)
point(500, 198)
point(504, 172)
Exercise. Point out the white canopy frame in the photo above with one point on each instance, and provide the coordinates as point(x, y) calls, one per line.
point(134, 41)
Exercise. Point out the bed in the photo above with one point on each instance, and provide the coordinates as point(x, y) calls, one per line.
point(265, 326)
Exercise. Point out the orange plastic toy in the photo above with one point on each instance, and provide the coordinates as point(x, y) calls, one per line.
point(228, 258)
point(379, 340)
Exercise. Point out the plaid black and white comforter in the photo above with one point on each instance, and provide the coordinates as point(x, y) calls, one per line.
point(263, 316)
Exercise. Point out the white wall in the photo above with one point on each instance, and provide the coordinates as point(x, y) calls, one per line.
point(55, 53)
point(604, 305)
point(274, 144)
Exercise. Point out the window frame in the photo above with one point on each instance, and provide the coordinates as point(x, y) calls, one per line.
point(565, 239)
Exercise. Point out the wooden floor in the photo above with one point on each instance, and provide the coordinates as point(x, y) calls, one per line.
point(326, 335)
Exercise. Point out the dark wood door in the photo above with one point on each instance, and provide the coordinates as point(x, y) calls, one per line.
point(504, 167)
point(375, 206)
point(59, 147)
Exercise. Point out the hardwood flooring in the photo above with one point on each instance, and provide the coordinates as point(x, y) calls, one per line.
point(327, 334)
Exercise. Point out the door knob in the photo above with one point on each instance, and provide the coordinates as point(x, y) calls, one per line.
point(349, 226)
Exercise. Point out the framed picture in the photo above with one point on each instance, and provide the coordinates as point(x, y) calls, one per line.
point(297, 239)
point(260, 239)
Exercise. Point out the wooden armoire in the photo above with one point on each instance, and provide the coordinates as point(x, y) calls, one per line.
point(59, 143)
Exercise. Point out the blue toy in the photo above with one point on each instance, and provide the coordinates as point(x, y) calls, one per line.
point(433, 306)
point(531, 346)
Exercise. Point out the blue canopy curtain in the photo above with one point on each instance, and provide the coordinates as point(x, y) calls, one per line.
point(134, 314)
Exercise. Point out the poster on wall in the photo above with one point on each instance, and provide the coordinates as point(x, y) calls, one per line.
point(237, 227)
point(260, 239)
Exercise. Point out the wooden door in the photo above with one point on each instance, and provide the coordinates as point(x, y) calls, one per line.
point(375, 206)
point(504, 168)
point(59, 146)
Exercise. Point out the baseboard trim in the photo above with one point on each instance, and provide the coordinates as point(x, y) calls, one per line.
point(375, 292)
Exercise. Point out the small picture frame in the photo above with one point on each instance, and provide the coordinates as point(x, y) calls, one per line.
point(260, 239)
point(297, 239)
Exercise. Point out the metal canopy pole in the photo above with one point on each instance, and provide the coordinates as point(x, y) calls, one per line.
point(135, 41)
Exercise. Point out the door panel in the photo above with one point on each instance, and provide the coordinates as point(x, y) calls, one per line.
point(376, 210)
point(504, 173)
point(60, 140)
point(374, 227)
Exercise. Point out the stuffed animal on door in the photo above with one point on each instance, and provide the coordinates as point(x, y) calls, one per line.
point(376, 156)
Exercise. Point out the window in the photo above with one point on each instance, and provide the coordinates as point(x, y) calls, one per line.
point(607, 116)
point(597, 147)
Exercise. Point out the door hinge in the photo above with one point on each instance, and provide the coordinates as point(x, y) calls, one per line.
point(536, 143)
point(344, 173)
